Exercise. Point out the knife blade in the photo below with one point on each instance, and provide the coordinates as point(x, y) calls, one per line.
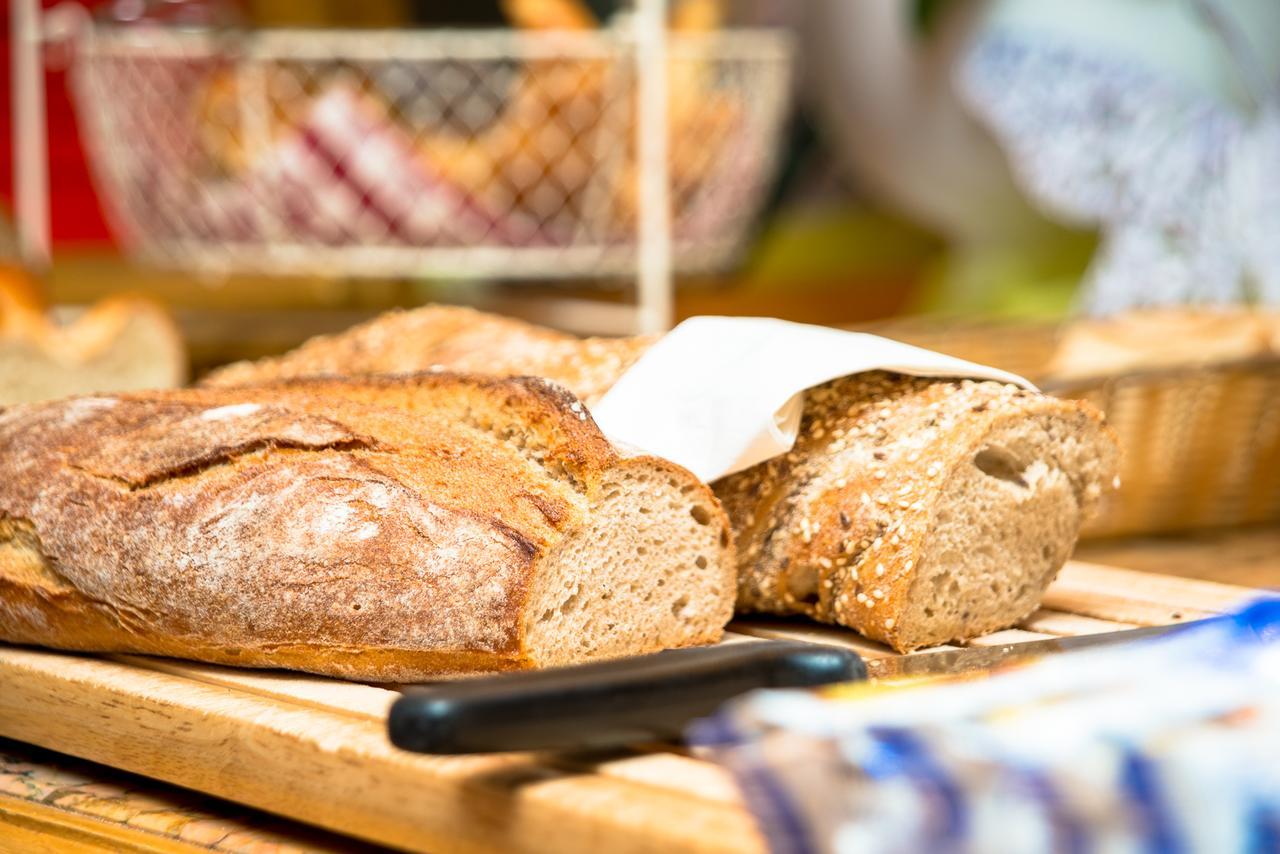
point(956, 661)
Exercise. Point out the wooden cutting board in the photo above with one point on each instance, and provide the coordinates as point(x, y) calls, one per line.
point(314, 749)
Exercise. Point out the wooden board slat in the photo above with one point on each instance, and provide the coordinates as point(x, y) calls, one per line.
point(732, 636)
point(668, 770)
point(317, 692)
point(30, 827)
point(1142, 598)
point(808, 632)
point(1063, 624)
point(1008, 636)
point(674, 772)
point(766, 628)
point(339, 771)
point(52, 802)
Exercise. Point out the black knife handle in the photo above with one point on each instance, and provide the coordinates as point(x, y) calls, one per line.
point(607, 704)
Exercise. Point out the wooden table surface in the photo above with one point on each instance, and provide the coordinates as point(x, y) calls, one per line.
point(52, 802)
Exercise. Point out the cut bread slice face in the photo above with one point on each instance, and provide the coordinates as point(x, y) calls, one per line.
point(1004, 522)
point(644, 572)
point(119, 344)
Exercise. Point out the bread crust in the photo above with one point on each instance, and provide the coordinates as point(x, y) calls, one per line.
point(380, 529)
point(450, 338)
point(100, 350)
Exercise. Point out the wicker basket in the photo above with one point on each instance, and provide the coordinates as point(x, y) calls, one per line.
point(1200, 446)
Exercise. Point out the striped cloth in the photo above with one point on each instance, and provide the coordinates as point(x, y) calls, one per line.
point(1167, 746)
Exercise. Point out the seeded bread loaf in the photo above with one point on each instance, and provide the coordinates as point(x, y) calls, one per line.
point(916, 511)
point(389, 529)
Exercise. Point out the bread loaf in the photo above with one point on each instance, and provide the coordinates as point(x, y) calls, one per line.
point(119, 344)
point(917, 511)
point(1164, 339)
point(388, 530)
point(455, 339)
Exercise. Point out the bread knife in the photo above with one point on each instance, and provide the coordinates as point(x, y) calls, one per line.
point(655, 697)
point(606, 704)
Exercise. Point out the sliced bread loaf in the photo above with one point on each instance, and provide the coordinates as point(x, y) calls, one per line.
point(383, 529)
point(917, 511)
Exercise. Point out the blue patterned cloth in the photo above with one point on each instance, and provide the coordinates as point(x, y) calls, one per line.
point(1170, 745)
point(1184, 187)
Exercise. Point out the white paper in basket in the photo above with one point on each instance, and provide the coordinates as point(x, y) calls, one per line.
point(719, 394)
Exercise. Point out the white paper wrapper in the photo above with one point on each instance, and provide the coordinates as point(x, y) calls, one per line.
point(720, 394)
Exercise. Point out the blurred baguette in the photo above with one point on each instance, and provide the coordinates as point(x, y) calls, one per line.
point(1163, 338)
point(120, 343)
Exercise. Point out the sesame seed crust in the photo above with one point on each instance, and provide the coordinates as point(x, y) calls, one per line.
point(862, 486)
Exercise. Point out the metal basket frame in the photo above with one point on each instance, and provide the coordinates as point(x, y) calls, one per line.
point(645, 43)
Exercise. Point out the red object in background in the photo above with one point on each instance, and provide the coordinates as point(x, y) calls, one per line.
point(76, 212)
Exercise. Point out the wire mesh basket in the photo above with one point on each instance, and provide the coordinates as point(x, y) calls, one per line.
point(1200, 446)
point(454, 153)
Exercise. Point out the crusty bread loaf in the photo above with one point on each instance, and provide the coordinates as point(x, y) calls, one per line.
point(450, 338)
point(916, 511)
point(388, 529)
point(119, 344)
